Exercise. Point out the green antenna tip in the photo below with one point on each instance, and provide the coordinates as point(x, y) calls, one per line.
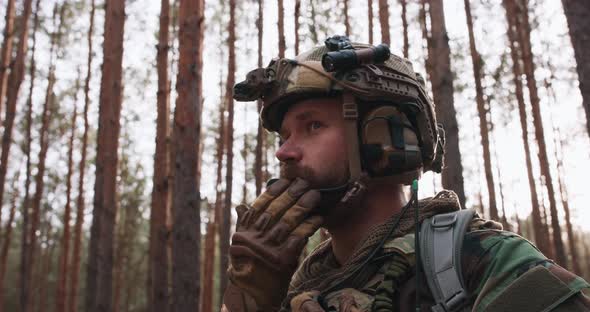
point(414, 185)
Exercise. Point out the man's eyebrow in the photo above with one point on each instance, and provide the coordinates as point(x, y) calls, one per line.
point(303, 116)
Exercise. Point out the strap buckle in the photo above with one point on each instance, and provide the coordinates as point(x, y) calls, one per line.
point(444, 220)
point(452, 304)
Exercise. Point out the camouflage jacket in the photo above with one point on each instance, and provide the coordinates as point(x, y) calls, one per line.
point(502, 272)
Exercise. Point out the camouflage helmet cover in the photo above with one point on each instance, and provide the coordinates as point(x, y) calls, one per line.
point(394, 82)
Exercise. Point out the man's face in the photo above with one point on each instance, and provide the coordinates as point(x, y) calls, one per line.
point(313, 144)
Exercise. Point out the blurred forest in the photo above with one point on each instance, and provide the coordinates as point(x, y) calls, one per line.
point(123, 154)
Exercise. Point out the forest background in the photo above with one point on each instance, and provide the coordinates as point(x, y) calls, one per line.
point(120, 169)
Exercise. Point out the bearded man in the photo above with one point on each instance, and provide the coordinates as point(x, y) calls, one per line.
point(356, 124)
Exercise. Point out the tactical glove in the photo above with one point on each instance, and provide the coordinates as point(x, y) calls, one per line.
point(270, 236)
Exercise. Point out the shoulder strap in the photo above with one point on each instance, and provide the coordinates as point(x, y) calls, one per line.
point(441, 240)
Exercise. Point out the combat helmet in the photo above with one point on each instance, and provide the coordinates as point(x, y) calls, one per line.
point(389, 116)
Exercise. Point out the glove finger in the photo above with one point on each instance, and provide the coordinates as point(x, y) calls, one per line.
point(278, 206)
point(241, 210)
point(262, 201)
point(294, 216)
point(308, 226)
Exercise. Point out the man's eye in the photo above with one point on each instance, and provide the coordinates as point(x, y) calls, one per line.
point(314, 125)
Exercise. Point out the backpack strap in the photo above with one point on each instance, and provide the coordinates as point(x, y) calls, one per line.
point(441, 240)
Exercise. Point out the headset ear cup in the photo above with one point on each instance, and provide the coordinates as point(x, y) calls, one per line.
point(389, 144)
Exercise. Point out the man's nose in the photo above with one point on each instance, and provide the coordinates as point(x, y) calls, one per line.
point(289, 152)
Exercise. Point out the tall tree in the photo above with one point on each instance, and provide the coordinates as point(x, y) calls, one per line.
point(370, 14)
point(25, 238)
point(281, 25)
point(64, 265)
point(80, 201)
point(186, 200)
point(346, 17)
point(158, 270)
point(558, 154)
point(48, 108)
point(577, 13)
point(442, 91)
point(229, 83)
point(14, 81)
point(99, 276)
point(384, 21)
point(6, 52)
point(481, 109)
point(404, 4)
point(7, 238)
point(261, 134)
point(524, 33)
point(297, 14)
point(541, 237)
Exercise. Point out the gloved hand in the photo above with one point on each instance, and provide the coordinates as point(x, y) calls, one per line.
point(270, 236)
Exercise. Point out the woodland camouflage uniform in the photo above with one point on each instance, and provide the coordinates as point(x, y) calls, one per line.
point(501, 271)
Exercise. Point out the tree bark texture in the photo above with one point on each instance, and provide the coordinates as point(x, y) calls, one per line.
point(297, 13)
point(80, 201)
point(346, 17)
point(6, 52)
point(481, 109)
point(99, 278)
point(48, 109)
point(186, 199)
point(370, 14)
point(524, 31)
point(64, 264)
point(384, 21)
point(541, 237)
point(404, 4)
point(26, 213)
point(261, 133)
point(6, 240)
point(208, 268)
point(14, 81)
point(158, 270)
point(218, 209)
point(229, 83)
point(281, 25)
point(577, 13)
point(442, 90)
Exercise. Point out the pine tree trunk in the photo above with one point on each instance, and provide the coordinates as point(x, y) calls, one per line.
point(442, 90)
point(370, 15)
point(99, 278)
point(80, 202)
point(384, 21)
point(346, 17)
point(14, 81)
point(48, 109)
point(529, 70)
point(483, 123)
point(281, 24)
point(26, 213)
point(186, 199)
point(7, 238)
point(261, 134)
point(297, 14)
point(208, 269)
point(577, 13)
point(158, 262)
point(541, 237)
point(404, 4)
point(218, 187)
point(426, 36)
point(558, 154)
point(229, 83)
point(64, 265)
point(45, 263)
point(6, 52)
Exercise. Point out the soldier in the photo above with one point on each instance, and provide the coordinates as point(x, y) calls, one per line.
point(356, 125)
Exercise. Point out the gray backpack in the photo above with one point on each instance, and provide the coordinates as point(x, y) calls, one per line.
point(441, 241)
